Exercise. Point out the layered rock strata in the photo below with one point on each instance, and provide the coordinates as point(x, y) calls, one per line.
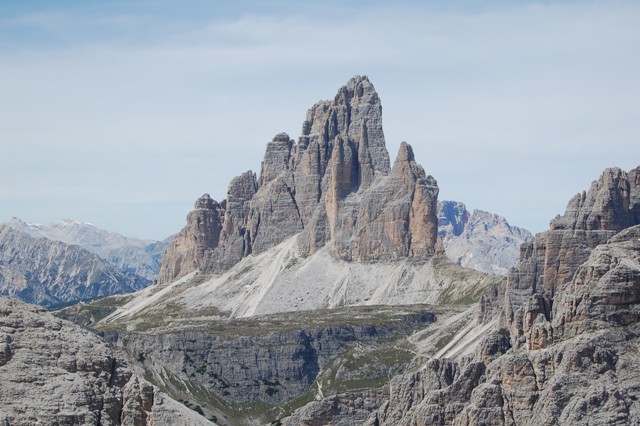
point(334, 187)
point(587, 375)
point(53, 372)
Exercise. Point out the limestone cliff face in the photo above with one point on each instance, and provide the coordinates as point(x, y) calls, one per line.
point(53, 372)
point(334, 187)
point(587, 374)
point(551, 259)
point(604, 290)
point(186, 252)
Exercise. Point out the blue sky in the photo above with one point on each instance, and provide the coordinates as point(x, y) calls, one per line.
point(122, 113)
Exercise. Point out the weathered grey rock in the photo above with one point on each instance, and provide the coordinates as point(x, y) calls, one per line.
point(395, 218)
point(235, 238)
point(345, 409)
point(334, 187)
point(277, 158)
point(479, 240)
point(574, 360)
point(604, 292)
point(50, 273)
point(133, 255)
point(272, 360)
point(202, 233)
point(274, 367)
point(550, 260)
point(53, 372)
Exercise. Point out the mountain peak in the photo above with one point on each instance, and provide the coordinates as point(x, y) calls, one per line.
point(335, 188)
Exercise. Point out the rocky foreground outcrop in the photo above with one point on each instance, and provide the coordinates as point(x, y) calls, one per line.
point(50, 273)
point(480, 240)
point(566, 349)
point(53, 372)
point(335, 187)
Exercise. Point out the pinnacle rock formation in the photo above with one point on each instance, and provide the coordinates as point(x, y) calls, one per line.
point(335, 187)
point(190, 245)
point(479, 240)
point(50, 273)
point(54, 372)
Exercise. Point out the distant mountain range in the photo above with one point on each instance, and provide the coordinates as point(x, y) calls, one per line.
point(479, 240)
point(140, 257)
point(52, 273)
point(68, 261)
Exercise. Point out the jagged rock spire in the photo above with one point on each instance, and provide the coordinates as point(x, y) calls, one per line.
point(335, 186)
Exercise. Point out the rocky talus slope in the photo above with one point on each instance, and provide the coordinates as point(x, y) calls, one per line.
point(50, 273)
point(53, 372)
point(565, 354)
point(479, 240)
point(334, 188)
point(133, 255)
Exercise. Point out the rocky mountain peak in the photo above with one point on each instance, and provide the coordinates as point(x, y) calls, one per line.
point(405, 154)
point(204, 203)
point(202, 233)
point(355, 114)
point(607, 206)
point(334, 187)
point(551, 259)
point(276, 158)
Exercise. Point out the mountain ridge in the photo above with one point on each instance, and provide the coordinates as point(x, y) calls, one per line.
point(51, 273)
point(135, 255)
point(296, 327)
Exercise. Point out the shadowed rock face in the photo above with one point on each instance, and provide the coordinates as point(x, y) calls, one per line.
point(335, 187)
